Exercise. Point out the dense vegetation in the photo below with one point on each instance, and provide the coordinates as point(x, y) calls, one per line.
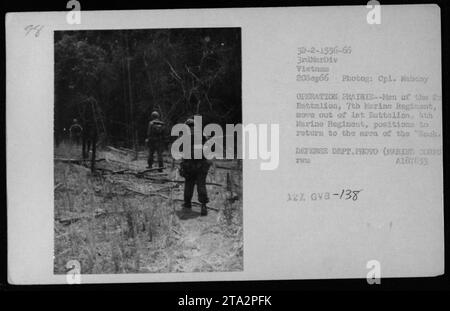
point(130, 73)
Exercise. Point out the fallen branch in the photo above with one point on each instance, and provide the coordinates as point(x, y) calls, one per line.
point(117, 150)
point(175, 231)
point(150, 170)
point(75, 160)
point(118, 172)
point(155, 174)
point(111, 171)
point(179, 181)
point(137, 174)
point(147, 194)
point(126, 149)
point(167, 188)
point(69, 220)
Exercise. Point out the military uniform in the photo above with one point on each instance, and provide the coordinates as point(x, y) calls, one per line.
point(89, 135)
point(75, 132)
point(155, 141)
point(195, 172)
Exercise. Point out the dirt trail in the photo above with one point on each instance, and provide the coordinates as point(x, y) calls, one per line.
point(142, 226)
point(200, 243)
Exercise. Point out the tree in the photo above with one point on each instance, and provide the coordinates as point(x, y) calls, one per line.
point(130, 73)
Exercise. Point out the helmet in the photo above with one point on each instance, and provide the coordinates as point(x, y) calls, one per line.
point(189, 122)
point(155, 115)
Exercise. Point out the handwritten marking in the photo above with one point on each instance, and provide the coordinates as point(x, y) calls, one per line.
point(343, 194)
point(36, 28)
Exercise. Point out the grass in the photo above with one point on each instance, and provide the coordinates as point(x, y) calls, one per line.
point(110, 229)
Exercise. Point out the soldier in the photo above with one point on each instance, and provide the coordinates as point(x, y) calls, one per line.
point(89, 133)
point(155, 140)
point(89, 138)
point(194, 172)
point(75, 131)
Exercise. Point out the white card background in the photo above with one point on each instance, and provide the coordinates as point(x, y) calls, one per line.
point(398, 219)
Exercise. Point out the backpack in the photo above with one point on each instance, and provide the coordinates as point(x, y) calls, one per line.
point(157, 129)
point(190, 168)
point(75, 129)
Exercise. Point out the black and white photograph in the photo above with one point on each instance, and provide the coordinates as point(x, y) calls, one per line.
point(225, 147)
point(122, 202)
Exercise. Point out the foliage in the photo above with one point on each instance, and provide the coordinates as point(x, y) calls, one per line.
point(130, 73)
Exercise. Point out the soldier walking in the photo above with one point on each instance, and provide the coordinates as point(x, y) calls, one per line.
point(89, 133)
point(75, 132)
point(194, 172)
point(155, 140)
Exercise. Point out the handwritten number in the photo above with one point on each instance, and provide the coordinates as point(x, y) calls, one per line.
point(36, 28)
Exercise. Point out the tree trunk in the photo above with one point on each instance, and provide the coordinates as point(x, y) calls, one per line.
point(94, 149)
